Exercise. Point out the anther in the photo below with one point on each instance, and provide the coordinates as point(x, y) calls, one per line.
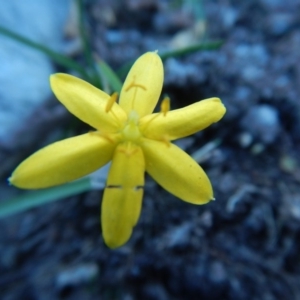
point(133, 84)
point(165, 106)
point(110, 102)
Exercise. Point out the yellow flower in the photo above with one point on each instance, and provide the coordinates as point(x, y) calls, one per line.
point(132, 138)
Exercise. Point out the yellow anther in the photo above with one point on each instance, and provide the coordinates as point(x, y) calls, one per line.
point(133, 84)
point(165, 105)
point(110, 102)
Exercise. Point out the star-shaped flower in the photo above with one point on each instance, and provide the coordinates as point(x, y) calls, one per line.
point(132, 138)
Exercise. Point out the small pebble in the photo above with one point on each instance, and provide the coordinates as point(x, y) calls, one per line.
point(262, 122)
point(76, 275)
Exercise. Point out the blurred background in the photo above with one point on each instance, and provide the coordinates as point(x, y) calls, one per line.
point(244, 245)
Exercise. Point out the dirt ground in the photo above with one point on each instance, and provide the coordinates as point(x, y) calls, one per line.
point(244, 245)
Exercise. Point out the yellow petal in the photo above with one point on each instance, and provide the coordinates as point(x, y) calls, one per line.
point(122, 200)
point(177, 172)
point(143, 85)
point(63, 161)
point(184, 121)
point(87, 102)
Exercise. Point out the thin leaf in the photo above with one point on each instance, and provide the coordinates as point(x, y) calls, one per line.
point(212, 45)
point(202, 154)
point(87, 45)
point(191, 49)
point(55, 56)
point(36, 198)
point(109, 74)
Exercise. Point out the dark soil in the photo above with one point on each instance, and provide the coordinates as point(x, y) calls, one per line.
point(244, 245)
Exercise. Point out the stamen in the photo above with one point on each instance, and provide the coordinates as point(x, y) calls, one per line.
point(136, 86)
point(111, 101)
point(133, 84)
point(153, 116)
point(165, 106)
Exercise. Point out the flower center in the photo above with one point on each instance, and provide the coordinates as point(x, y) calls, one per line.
point(131, 131)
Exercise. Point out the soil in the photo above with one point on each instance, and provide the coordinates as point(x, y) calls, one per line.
point(244, 245)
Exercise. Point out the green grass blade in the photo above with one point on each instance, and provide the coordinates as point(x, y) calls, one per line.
point(109, 74)
point(85, 43)
point(191, 49)
point(55, 56)
point(87, 50)
point(36, 198)
point(211, 45)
